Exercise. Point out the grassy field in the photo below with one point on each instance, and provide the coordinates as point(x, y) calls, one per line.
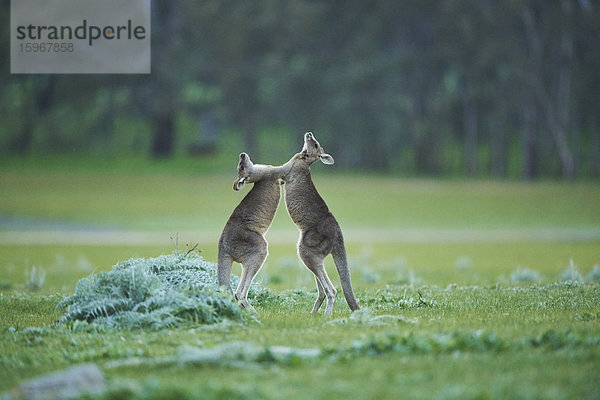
point(467, 286)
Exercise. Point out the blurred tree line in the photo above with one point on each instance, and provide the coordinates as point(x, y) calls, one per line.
point(474, 87)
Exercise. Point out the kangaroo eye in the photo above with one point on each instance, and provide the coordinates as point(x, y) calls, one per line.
point(316, 145)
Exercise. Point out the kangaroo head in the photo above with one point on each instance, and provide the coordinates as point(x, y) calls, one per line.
point(245, 172)
point(312, 151)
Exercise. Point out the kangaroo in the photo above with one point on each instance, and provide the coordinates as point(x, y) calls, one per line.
point(243, 239)
point(320, 233)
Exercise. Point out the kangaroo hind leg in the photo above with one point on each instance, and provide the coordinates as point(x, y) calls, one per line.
point(315, 263)
point(320, 297)
point(250, 267)
point(224, 264)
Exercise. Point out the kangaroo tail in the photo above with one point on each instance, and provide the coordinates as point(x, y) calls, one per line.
point(224, 264)
point(341, 263)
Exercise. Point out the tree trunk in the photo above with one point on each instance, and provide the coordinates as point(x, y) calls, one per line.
point(165, 80)
point(498, 148)
point(425, 151)
point(595, 156)
point(470, 132)
point(563, 94)
point(21, 143)
point(164, 134)
point(555, 109)
point(41, 89)
point(529, 148)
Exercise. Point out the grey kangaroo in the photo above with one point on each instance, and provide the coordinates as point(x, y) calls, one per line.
point(320, 233)
point(243, 239)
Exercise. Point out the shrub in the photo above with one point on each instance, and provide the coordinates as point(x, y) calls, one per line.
point(167, 291)
point(594, 275)
point(571, 274)
point(370, 276)
point(525, 275)
point(34, 279)
point(463, 263)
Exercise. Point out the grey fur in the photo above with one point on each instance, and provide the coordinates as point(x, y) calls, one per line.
point(243, 239)
point(320, 233)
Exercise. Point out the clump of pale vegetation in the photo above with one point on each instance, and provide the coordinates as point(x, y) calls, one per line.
point(35, 278)
point(400, 272)
point(366, 316)
point(242, 354)
point(463, 263)
point(84, 265)
point(594, 275)
point(525, 275)
point(363, 264)
point(571, 274)
point(408, 277)
point(369, 276)
point(166, 291)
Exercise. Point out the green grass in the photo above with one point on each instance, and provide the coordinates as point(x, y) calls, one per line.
point(169, 200)
point(476, 334)
point(546, 344)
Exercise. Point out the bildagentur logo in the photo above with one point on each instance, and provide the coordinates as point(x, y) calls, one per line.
point(84, 31)
point(80, 36)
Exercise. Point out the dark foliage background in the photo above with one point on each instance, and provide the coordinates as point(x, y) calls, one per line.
point(476, 87)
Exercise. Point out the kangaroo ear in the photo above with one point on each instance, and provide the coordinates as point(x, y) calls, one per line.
point(239, 183)
point(326, 159)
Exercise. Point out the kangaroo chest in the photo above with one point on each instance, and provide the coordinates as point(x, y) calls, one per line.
point(258, 208)
point(304, 204)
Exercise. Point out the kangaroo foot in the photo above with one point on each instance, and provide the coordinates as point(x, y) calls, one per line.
point(245, 304)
